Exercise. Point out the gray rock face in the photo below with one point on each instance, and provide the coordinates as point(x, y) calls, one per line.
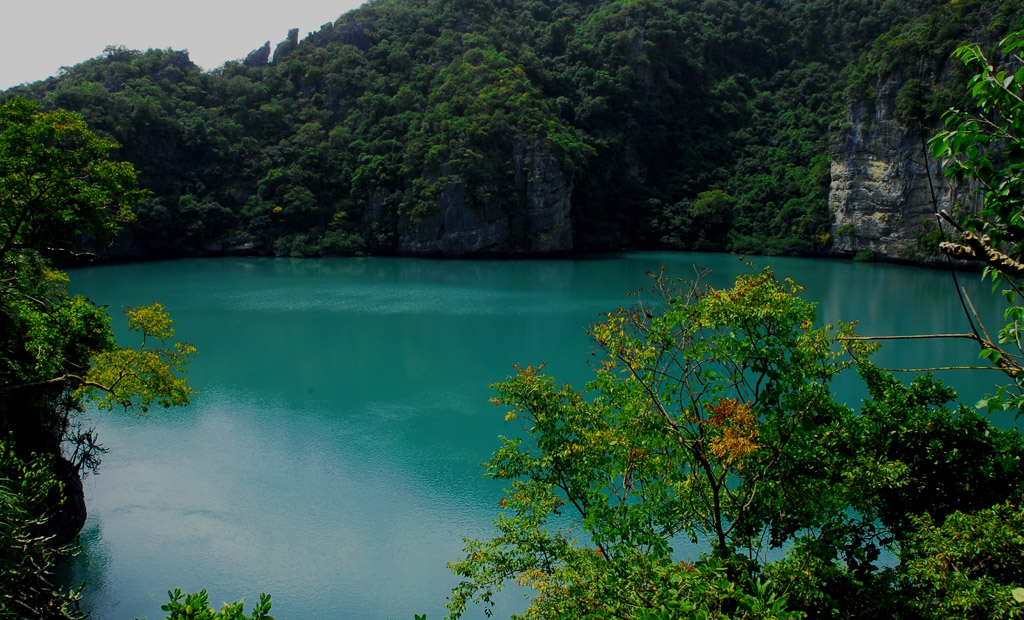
point(535, 221)
point(456, 228)
point(258, 57)
point(885, 187)
point(548, 196)
point(883, 183)
point(285, 47)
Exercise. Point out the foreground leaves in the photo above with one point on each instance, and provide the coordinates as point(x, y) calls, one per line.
point(196, 606)
point(710, 420)
point(28, 557)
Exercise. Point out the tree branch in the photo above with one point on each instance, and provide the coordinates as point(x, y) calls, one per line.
point(979, 249)
point(54, 381)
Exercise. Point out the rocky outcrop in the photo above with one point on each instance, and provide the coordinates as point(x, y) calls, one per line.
point(535, 221)
point(258, 57)
point(69, 518)
point(285, 47)
point(350, 29)
point(885, 187)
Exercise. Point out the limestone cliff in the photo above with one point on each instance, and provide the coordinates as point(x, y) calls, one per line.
point(885, 186)
point(287, 46)
point(883, 182)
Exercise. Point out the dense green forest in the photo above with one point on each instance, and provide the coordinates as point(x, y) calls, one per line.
point(460, 127)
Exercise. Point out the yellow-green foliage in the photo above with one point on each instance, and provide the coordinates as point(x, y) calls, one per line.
point(140, 377)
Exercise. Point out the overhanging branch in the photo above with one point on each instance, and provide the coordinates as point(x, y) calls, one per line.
point(979, 248)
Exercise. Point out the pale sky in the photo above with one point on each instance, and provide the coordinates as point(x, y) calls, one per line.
point(37, 37)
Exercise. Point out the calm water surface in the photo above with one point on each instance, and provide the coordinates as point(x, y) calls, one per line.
point(331, 455)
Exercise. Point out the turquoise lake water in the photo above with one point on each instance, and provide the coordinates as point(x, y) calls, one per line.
point(331, 455)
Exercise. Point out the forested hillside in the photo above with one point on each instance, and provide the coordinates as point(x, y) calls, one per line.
point(499, 126)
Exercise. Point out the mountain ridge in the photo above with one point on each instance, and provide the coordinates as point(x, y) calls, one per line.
point(420, 128)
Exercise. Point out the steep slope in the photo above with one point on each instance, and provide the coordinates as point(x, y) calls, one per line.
point(885, 187)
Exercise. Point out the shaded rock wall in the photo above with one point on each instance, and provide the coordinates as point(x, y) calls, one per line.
point(535, 220)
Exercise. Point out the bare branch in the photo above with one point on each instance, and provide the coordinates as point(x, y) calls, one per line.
point(907, 337)
point(935, 368)
point(65, 378)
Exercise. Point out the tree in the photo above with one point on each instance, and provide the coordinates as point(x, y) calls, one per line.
point(970, 565)
point(57, 181)
point(712, 214)
point(710, 418)
point(56, 350)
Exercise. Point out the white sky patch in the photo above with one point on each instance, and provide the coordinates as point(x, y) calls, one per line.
point(38, 38)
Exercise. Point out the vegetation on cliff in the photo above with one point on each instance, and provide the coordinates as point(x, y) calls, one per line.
point(681, 124)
